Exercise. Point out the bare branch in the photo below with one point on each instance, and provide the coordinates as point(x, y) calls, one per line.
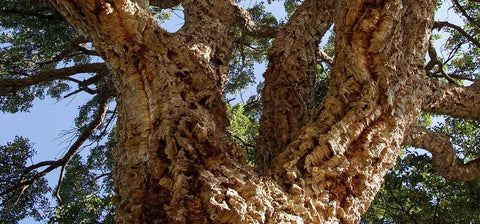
point(252, 29)
point(434, 60)
point(68, 50)
point(59, 184)
point(453, 100)
point(444, 157)
point(97, 121)
point(12, 85)
point(462, 10)
point(324, 57)
point(441, 24)
point(244, 143)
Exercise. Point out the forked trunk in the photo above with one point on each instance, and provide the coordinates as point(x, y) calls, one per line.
point(175, 164)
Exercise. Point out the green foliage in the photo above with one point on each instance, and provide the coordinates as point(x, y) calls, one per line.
point(462, 60)
point(87, 188)
point(414, 193)
point(31, 35)
point(243, 129)
point(321, 85)
point(18, 205)
point(248, 50)
point(425, 120)
point(465, 136)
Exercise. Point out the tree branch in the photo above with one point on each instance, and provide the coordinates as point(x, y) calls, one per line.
point(287, 97)
point(97, 121)
point(68, 50)
point(165, 4)
point(324, 57)
point(245, 21)
point(434, 60)
point(462, 10)
point(444, 157)
point(453, 100)
point(59, 184)
point(11, 85)
point(441, 24)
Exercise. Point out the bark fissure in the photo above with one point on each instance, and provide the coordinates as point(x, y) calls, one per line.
point(343, 157)
point(175, 163)
point(288, 93)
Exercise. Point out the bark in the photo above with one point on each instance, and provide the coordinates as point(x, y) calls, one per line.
point(288, 93)
point(174, 162)
point(341, 156)
point(452, 99)
point(444, 156)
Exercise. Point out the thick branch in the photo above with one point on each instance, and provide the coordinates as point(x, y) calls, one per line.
point(444, 157)
point(97, 121)
point(12, 85)
point(324, 57)
point(212, 23)
point(453, 100)
point(165, 4)
point(250, 27)
point(441, 24)
point(353, 137)
point(288, 93)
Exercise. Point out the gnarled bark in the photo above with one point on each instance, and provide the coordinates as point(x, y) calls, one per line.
point(287, 97)
point(452, 99)
point(174, 163)
point(444, 156)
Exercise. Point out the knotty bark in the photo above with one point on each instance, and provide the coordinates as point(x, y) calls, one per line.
point(445, 159)
point(353, 139)
point(452, 99)
point(174, 163)
point(287, 97)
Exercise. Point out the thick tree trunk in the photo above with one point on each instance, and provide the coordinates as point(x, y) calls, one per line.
point(287, 98)
point(174, 163)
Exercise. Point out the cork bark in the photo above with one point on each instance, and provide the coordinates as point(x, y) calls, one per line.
point(175, 163)
point(287, 97)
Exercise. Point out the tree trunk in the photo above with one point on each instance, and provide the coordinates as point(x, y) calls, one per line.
point(174, 162)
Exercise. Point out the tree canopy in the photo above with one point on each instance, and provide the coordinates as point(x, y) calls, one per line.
point(42, 55)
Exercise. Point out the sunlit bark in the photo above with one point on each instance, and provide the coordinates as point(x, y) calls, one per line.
point(444, 157)
point(174, 162)
point(288, 93)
